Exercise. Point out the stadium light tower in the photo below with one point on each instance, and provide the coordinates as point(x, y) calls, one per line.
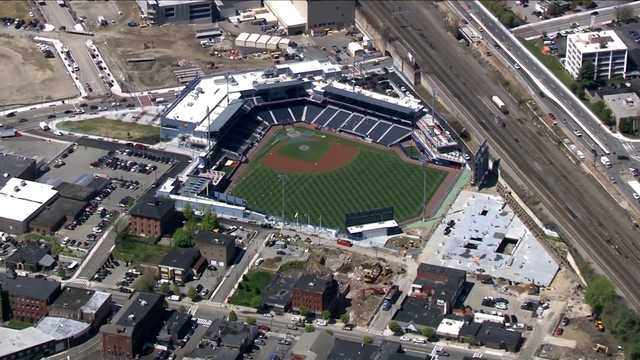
point(283, 180)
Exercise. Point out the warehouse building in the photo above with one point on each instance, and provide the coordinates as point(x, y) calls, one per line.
point(178, 11)
point(23, 200)
point(299, 16)
point(603, 49)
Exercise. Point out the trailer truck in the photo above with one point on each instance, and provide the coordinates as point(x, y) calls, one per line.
point(499, 104)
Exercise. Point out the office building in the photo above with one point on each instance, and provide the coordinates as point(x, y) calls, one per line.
point(178, 11)
point(603, 49)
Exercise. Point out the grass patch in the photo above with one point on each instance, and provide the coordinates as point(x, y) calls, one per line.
point(15, 9)
point(114, 129)
point(249, 292)
point(310, 151)
point(412, 152)
point(18, 325)
point(292, 266)
point(551, 62)
point(134, 251)
point(376, 178)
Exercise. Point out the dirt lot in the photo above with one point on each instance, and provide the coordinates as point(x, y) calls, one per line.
point(173, 46)
point(15, 9)
point(24, 66)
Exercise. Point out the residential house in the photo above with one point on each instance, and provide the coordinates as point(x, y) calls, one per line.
point(32, 257)
point(180, 264)
point(175, 328)
point(225, 340)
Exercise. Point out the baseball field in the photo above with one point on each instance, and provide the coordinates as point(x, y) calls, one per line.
point(326, 176)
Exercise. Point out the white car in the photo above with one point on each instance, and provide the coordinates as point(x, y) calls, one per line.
point(322, 322)
point(419, 340)
point(501, 306)
point(577, 133)
point(516, 66)
point(268, 315)
point(405, 338)
point(636, 196)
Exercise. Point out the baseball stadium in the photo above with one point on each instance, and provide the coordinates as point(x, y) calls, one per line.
point(307, 145)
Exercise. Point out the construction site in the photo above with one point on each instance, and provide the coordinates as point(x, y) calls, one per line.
point(369, 279)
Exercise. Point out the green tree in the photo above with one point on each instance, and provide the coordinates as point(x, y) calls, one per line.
point(367, 340)
point(394, 327)
point(599, 293)
point(309, 328)
point(326, 315)
point(345, 318)
point(187, 212)
point(626, 127)
point(164, 288)
point(232, 316)
point(554, 10)
point(507, 18)
point(251, 320)
point(587, 74)
point(182, 238)
point(209, 221)
point(304, 312)
point(426, 332)
point(193, 294)
point(176, 289)
point(634, 352)
point(143, 283)
point(62, 273)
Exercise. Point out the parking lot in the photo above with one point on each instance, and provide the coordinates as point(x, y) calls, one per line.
point(127, 181)
point(502, 294)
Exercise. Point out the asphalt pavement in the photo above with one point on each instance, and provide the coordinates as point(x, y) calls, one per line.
point(549, 26)
point(588, 217)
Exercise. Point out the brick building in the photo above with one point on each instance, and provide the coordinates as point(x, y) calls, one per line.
point(29, 298)
point(84, 305)
point(151, 217)
point(137, 323)
point(315, 293)
point(218, 249)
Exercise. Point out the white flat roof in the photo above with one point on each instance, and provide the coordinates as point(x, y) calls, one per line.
point(12, 341)
point(286, 13)
point(28, 190)
point(309, 66)
point(406, 101)
point(450, 327)
point(17, 209)
point(590, 42)
point(21, 198)
point(61, 328)
point(372, 226)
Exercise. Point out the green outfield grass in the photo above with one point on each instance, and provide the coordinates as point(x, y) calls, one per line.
point(375, 178)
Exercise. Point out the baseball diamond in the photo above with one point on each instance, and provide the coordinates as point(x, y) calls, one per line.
point(327, 176)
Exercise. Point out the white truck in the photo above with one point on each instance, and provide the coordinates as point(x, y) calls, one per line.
point(605, 161)
point(499, 104)
point(44, 126)
point(635, 186)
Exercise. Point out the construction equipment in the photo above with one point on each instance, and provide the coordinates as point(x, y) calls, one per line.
point(599, 325)
point(377, 291)
point(599, 348)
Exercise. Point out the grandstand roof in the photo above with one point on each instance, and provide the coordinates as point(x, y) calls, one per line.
point(279, 85)
point(227, 114)
point(403, 110)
